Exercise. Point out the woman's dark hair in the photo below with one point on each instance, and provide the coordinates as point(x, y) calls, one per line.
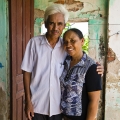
point(77, 31)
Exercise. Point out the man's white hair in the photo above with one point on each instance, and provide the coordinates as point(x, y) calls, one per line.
point(56, 8)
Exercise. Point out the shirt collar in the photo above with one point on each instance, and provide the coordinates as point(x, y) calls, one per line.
point(59, 43)
point(80, 63)
point(45, 41)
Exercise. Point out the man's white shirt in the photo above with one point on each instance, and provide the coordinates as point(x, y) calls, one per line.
point(46, 66)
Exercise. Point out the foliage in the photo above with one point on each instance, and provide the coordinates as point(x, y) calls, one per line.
point(86, 44)
point(67, 27)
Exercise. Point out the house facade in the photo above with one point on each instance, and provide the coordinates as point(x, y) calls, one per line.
point(22, 19)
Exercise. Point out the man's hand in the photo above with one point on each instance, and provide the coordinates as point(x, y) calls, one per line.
point(28, 104)
point(29, 110)
point(100, 69)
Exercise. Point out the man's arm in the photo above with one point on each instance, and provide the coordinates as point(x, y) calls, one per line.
point(28, 105)
point(93, 105)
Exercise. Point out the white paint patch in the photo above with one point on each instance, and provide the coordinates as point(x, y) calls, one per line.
point(119, 84)
point(114, 12)
point(119, 73)
point(114, 44)
point(112, 95)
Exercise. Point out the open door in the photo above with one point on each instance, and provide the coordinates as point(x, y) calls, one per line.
point(21, 30)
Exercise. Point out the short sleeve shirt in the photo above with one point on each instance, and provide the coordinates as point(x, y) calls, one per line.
point(82, 79)
point(46, 66)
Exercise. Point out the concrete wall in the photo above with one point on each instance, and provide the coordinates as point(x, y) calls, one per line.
point(92, 11)
point(95, 13)
point(4, 62)
point(112, 106)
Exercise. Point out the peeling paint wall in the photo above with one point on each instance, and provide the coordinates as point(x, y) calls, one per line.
point(4, 62)
point(112, 100)
point(92, 11)
point(95, 13)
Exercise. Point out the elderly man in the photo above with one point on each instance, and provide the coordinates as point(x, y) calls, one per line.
point(42, 65)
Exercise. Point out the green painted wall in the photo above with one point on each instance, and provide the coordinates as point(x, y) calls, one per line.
point(4, 61)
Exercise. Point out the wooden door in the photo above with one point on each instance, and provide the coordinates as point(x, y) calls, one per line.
point(21, 30)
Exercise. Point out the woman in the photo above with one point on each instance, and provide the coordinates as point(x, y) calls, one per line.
point(80, 83)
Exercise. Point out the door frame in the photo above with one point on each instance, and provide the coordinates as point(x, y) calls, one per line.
point(28, 6)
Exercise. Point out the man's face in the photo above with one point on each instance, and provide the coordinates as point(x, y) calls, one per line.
point(55, 25)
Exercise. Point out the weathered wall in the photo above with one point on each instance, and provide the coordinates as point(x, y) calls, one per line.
point(4, 61)
point(112, 106)
point(92, 11)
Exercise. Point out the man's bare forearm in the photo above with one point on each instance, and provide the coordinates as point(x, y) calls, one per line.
point(26, 81)
point(28, 104)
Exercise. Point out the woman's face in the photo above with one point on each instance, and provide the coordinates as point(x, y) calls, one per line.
point(73, 44)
